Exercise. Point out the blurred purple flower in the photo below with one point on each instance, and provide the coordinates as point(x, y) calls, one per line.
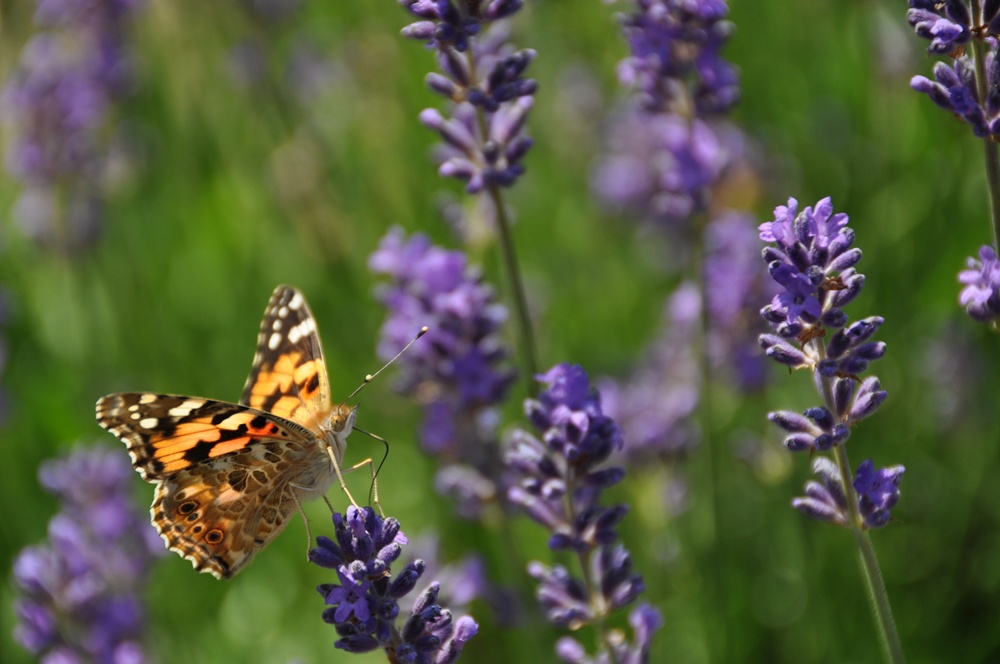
point(644, 620)
point(57, 102)
point(675, 58)
point(79, 593)
point(981, 295)
point(734, 289)
point(458, 370)
point(482, 75)
point(364, 606)
point(655, 406)
point(658, 167)
point(560, 477)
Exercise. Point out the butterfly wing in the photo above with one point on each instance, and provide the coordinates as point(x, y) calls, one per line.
point(288, 377)
point(225, 473)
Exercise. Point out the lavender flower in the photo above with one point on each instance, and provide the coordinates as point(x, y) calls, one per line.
point(482, 75)
point(79, 593)
point(877, 493)
point(813, 260)
point(981, 295)
point(951, 26)
point(659, 167)
point(675, 56)
point(458, 370)
point(560, 479)
point(58, 103)
point(364, 605)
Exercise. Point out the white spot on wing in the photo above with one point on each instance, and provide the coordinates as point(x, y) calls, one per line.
point(295, 302)
point(273, 342)
point(148, 423)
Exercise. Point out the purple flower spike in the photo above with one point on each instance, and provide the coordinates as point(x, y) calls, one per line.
point(812, 259)
point(364, 605)
point(57, 103)
point(79, 593)
point(459, 369)
point(950, 27)
point(981, 295)
point(659, 167)
point(484, 141)
point(559, 482)
point(675, 55)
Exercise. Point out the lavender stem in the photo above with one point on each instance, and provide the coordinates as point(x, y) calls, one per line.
point(516, 285)
point(511, 264)
point(878, 596)
point(990, 148)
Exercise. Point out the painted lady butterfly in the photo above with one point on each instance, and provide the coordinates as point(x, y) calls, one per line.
point(228, 476)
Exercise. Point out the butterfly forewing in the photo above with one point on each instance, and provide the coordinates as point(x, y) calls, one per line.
point(165, 433)
point(288, 377)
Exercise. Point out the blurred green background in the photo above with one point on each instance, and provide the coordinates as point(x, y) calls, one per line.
point(231, 189)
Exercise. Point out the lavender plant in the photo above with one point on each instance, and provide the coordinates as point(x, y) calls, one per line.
point(459, 371)
point(363, 605)
point(969, 88)
point(59, 103)
point(484, 140)
point(560, 478)
point(810, 255)
point(79, 594)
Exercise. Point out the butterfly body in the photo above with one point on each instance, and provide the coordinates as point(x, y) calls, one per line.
point(229, 476)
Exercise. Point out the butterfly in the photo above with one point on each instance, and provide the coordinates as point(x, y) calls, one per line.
point(229, 475)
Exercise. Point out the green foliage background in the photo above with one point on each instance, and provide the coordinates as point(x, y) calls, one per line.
point(235, 191)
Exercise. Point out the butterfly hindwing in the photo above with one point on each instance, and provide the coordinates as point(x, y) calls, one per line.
point(288, 377)
point(223, 472)
point(221, 513)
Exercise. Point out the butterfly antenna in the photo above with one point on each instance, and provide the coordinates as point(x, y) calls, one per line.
point(370, 377)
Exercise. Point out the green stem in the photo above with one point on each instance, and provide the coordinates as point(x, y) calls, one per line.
point(509, 253)
point(516, 287)
point(878, 597)
point(990, 147)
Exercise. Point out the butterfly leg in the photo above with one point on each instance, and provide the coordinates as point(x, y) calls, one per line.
point(374, 494)
point(306, 519)
point(340, 478)
point(343, 485)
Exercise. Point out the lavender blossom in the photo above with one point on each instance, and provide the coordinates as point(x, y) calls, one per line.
point(877, 492)
point(484, 141)
point(981, 295)
point(79, 594)
point(949, 24)
point(675, 58)
point(951, 27)
point(364, 605)
point(58, 102)
point(560, 479)
point(659, 167)
point(459, 369)
point(813, 260)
